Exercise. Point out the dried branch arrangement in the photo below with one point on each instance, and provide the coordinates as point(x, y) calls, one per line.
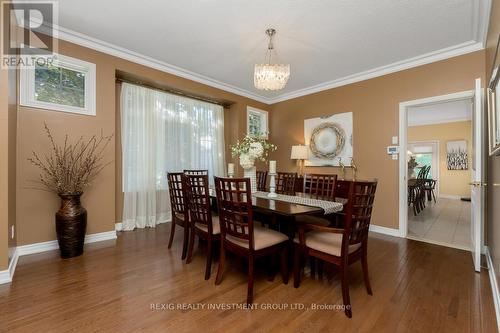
point(70, 168)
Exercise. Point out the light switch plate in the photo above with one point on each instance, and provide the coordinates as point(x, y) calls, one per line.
point(394, 156)
point(394, 140)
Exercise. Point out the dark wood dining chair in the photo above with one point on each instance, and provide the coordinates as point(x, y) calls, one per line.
point(340, 246)
point(180, 215)
point(320, 186)
point(196, 172)
point(261, 180)
point(285, 182)
point(240, 235)
point(203, 223)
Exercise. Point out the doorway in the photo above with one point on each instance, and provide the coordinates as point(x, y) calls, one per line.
point(431, 129)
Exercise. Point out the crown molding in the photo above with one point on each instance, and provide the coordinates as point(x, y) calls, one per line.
point(120, 52)
point(449, 52)
point(480, 17)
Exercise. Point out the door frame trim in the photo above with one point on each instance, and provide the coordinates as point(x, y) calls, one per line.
point(403, 147)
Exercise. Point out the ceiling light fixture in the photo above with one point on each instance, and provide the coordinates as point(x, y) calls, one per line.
point(268, 76)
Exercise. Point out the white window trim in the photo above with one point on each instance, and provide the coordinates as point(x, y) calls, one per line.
point(27, 86)
point(253, 110)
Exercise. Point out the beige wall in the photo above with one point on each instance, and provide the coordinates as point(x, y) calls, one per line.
point(375, 107)
point(36, 208)
point(451, 182)
point(493, 192)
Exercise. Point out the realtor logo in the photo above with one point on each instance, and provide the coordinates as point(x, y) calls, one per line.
point(28, 32)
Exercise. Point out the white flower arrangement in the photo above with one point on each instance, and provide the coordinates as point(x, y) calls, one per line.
point(250, 149)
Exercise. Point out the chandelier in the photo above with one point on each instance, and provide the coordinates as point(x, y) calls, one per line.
point(268, 76)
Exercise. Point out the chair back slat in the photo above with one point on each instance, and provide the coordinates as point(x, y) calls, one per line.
point(358, 212)
point(320, 186)
point(176, 190)
point(261, 180)
point(285, 182)
point(234, 199)
point(198, 200)
point(196, 172)
point(342, 190)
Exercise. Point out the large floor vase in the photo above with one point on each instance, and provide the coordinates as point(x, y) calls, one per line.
point(71, 225)
point(252, 174)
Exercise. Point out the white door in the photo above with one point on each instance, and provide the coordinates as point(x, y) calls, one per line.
point(477, 184)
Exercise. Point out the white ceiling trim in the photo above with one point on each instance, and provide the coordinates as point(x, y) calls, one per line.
point(117, 51)
point(481, 17)
point(427, 58)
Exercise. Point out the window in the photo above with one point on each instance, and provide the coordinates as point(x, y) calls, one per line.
point(67, 85)
point(257, 122)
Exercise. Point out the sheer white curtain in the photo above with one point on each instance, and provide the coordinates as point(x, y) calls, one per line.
point(164, 133)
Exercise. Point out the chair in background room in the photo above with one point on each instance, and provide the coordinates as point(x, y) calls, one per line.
point(180, 215)
point(285, 182)
point(240, 235)
point(261, 180)
point(203, 223)
point(340, 247)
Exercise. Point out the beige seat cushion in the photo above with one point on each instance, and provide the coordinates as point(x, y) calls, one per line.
point(326, 242)
point(179, 216)
point(215, 225)
point(263, 237)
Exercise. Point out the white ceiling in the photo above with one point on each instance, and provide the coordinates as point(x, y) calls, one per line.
point(439, 113)
point(327, 43)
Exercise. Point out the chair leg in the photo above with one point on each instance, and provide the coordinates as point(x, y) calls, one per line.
point(208, 269)
point(320, 269)
point(364, 263)
point(250, 280)
point(222, 259)
point(172, 233)
point(345, 291)
point(191, 246)
point(284, 264)
point(271, 270)
point(296, 266)
point(185, 241)
point(433, 196)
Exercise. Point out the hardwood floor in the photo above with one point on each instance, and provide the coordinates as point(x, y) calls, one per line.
point(417, 287)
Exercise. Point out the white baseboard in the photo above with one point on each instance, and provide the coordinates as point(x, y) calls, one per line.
point(384, 230)
point(7, 275)
point(53, 245)
point(494, 286)
point(449, 196)
point(118, 226)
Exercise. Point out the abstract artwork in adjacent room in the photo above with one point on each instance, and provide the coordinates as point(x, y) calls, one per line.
point(329, 139)
point(456, 155)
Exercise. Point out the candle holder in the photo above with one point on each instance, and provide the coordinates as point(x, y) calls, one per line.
point(272, 186)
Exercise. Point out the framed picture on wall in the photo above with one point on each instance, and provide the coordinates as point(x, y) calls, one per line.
point(493, 100)
point(494, 112)
point(257, 124)
point(456, 155)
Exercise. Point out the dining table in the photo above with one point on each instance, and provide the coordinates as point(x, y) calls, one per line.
point(285, 212)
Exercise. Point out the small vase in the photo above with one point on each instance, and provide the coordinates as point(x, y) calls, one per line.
point(252, 174)
point(71, 224)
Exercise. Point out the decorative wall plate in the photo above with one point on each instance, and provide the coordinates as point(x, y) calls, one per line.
point(327, 140)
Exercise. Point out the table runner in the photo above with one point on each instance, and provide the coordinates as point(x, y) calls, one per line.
point(329, 207)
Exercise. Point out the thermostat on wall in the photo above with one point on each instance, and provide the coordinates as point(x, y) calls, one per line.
point(392, 150)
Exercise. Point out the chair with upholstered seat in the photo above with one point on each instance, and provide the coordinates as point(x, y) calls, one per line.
point(195, 172)
point(180, 214)
point(261, 180)
point(239, 233)
point(285, 182)
point(340, 247)
point(203, 223)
